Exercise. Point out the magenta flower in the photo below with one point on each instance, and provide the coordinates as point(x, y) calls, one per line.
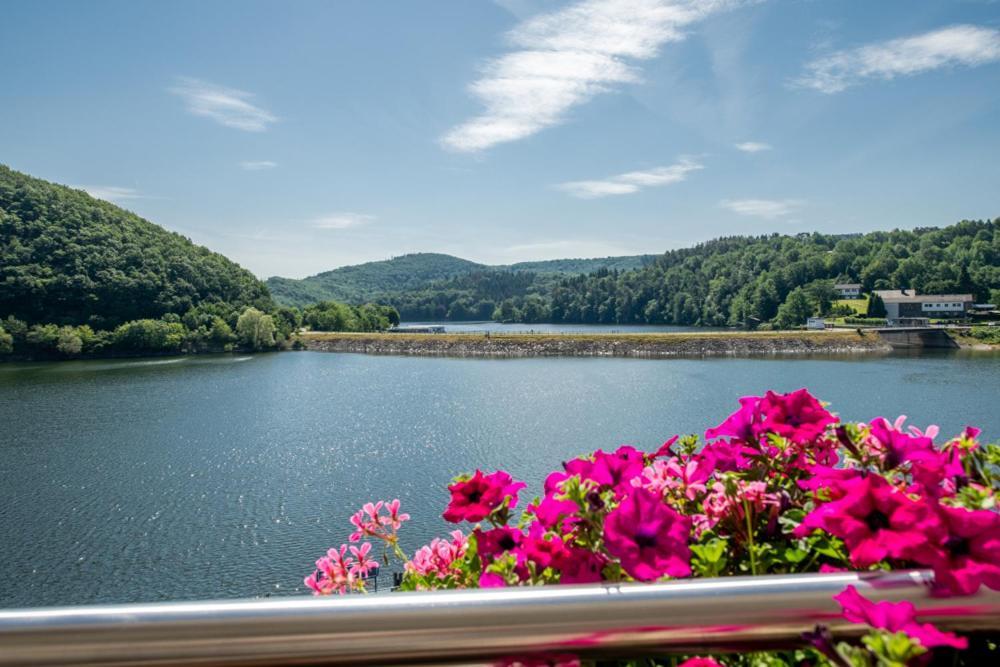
point(609, 471)
point(896, 447)
point(580, 566)
point(727, 456)
point(740, 425)
point(970, 552)
point(796, 416)
point(475, 499)
point(700, 662)
point(493, 543)
point(894, 617)
point(877, 521)
point(557, 515)
point(649, 538)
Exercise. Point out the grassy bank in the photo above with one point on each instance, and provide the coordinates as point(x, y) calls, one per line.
point(647, 345)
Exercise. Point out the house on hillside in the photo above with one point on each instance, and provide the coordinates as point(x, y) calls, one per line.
point(904, 304)
point(848, 290)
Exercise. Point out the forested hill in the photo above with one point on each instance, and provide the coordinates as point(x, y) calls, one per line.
point(418, 271)
point(740, 279)
point(364, 282)
point(728, 281)
point(68, 258)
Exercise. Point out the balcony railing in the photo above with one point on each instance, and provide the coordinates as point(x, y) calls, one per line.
point(470, 626)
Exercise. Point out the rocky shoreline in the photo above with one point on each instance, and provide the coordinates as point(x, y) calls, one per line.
point(650, 346)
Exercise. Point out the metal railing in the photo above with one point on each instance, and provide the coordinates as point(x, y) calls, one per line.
point(473, 625)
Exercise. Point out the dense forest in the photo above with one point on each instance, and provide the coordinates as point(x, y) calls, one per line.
point(772, 280)
point(419, 271)
point(750, 279)
point(80, 276)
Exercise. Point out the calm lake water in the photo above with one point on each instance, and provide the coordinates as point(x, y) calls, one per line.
point(212, 477)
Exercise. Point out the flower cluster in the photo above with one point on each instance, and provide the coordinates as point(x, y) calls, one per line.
point(780, 486)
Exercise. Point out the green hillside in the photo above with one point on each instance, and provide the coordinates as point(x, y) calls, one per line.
point(420, 271)
point(67, 258)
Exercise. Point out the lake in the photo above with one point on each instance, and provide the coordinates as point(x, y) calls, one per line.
point(215, 477)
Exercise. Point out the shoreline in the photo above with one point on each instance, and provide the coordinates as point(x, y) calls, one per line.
point(638, 345)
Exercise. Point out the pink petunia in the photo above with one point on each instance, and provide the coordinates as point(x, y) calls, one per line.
point(700, 662)
point(475, 499)
point(580, 566)
point(613, 470)
point(649, 538)
point(970, 552)
point(877, 521)
point(894, 617)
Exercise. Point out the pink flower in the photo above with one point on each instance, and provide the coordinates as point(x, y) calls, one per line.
point(557, 515)
point(686, 476)
point(475, 499)
point(796, 416)
point(362, 565)
point(894, 617)
point(610, 471)
point(970, 554)
point(491, 580)
point(649, 538)
point(740, 425)
point(440, 558)
point(700, 662)
point(894, 446)
point(370, 522)
point(493, 543)
point(580, 566)
point(333, 574)
point(877, 521)
point(727, 456)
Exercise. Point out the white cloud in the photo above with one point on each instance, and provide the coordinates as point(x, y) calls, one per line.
point(633, 181)
point(342, 220)
point(257, 165)
point(110, 193)
point(762, 208)
point(565, 58)
point(956, 45)
point(227, 106)
point(752, 147)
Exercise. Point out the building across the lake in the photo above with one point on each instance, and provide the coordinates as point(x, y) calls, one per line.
point(900, 304)
point(848, 290)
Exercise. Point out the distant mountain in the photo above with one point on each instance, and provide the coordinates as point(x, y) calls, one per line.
point(68, 258)
point(373, 280)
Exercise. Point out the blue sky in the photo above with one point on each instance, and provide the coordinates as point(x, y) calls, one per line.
point(296, 137)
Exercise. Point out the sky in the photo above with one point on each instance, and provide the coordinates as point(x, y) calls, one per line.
point(295, 137)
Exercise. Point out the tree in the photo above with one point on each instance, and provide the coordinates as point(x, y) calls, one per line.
point(255, 329)
point(876, 307)
point(795, 310)
point(6, 342)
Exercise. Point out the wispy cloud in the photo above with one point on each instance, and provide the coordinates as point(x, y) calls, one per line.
point(257, 165)
point(227, 106)
point(632, 181)
point(110, 193)
point(566, 57)
point(752, 147)
point(958, 45)
point(768, 209)
point(343, 220)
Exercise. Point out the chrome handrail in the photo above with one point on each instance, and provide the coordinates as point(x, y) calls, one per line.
point(472, 625)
